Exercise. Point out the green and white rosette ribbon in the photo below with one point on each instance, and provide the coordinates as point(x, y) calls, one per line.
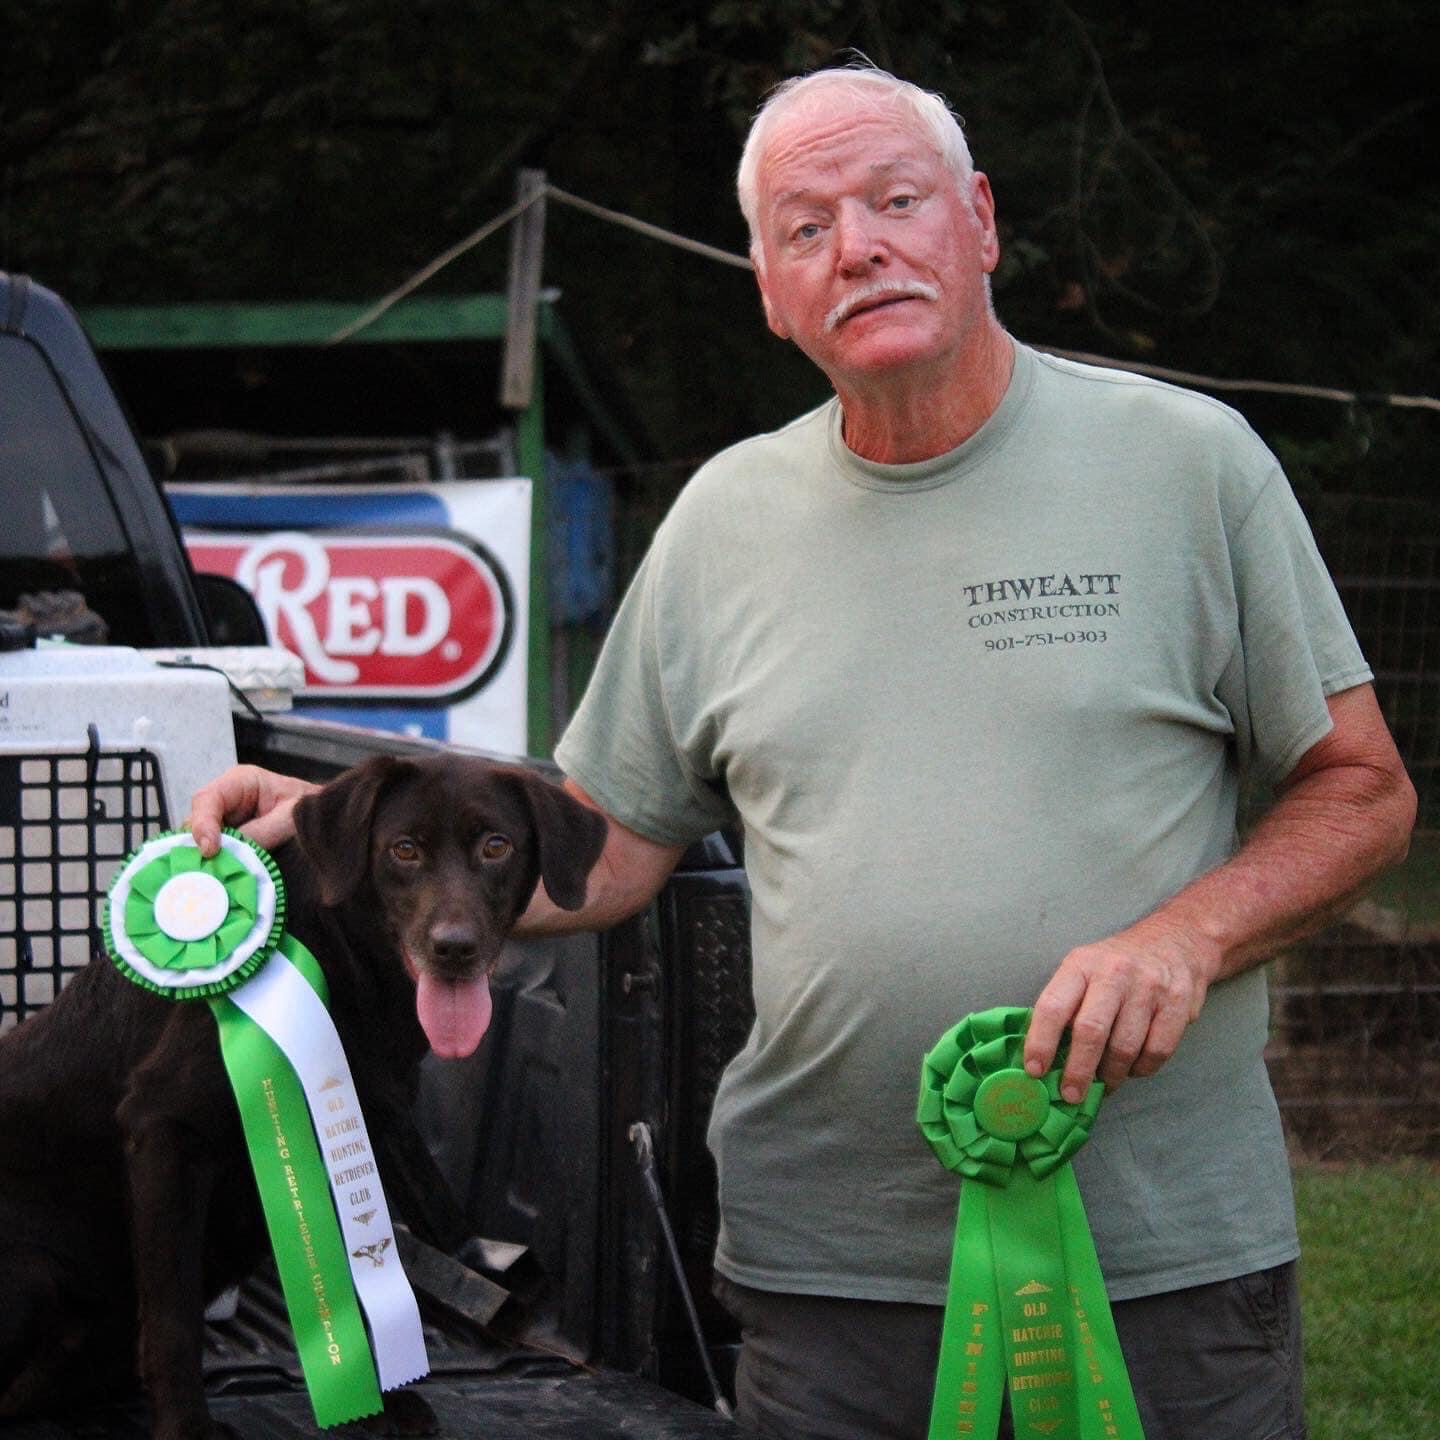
point(1026, 1308)
point(190, 928)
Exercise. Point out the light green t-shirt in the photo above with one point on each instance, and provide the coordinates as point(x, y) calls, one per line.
point(971, 713)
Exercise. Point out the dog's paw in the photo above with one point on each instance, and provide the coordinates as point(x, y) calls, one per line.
point(406, 1412)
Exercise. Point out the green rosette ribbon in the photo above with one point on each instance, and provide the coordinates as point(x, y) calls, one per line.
point(201, 923)
point(194, 928)
point(1026, 1309)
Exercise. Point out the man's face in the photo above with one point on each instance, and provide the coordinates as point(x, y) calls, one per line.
point(874, 257)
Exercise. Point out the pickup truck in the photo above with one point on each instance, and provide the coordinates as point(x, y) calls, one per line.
point(570, 1133)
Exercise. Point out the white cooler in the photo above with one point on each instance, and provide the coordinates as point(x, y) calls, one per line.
point(99, 749)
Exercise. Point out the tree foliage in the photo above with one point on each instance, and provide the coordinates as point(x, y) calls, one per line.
point(1234, 189)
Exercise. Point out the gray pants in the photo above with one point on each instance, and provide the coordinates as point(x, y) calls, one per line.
point(1214, 1362)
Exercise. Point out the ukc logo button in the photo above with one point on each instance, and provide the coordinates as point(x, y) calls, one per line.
point(1011, 1105)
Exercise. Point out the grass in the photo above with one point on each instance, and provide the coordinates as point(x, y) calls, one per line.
point(1370, 1295)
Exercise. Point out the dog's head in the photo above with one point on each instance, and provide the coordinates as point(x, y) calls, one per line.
point(452, 849)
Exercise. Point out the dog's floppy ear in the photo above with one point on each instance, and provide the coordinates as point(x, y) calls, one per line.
point(569, 836)
point(333, 825)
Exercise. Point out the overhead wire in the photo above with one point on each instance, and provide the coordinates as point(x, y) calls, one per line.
point(711, 252)
point(368, 317)
point(644, 227)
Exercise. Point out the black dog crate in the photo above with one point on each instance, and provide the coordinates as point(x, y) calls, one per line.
point(66, 823)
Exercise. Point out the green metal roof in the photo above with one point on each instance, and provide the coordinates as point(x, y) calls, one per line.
point(237, 325)
point(301, 322)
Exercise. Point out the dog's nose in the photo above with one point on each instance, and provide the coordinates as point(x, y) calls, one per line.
point(453, 944)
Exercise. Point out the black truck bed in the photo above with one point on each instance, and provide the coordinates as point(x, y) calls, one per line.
point(481, 1385)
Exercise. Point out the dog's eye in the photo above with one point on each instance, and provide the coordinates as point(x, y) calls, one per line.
point(496, 847)
point(406, 851)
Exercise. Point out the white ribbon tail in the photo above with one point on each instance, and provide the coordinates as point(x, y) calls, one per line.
point(280, 1000)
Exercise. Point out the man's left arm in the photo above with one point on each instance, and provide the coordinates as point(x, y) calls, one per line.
point(1341, 816)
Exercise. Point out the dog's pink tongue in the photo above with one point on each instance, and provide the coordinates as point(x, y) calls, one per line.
point(454, 1016)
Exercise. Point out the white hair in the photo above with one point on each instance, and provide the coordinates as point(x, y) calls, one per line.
point(873, 90)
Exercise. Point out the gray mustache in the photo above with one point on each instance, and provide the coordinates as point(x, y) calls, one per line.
point(878, 290)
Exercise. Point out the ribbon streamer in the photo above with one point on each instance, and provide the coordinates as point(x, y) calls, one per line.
point(1026, 1307)
point(292, 1014)
point(187, 927)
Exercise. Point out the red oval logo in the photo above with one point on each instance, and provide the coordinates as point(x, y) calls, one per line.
point(424, 617)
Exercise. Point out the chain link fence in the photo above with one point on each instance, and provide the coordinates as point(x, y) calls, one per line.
point(1355, 1049)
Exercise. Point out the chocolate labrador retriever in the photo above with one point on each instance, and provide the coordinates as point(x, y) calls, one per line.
point(126, 1201)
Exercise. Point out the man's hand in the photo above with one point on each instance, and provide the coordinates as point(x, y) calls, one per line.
point(259, 801)
point(1341, 816)
point(1126, 1001)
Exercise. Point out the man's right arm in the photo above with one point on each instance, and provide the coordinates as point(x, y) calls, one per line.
point(629, 874)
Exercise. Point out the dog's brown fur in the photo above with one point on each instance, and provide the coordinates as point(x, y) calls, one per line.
point(126, 1200)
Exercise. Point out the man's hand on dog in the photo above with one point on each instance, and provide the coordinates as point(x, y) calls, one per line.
point(259, 801)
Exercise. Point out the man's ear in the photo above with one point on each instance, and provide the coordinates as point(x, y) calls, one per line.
point(333, 825)
point(568, 835)
point(982, 206)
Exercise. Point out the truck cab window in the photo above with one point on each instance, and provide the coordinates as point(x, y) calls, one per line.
point(59, 529)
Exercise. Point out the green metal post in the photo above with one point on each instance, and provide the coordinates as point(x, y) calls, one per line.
point(530, 451)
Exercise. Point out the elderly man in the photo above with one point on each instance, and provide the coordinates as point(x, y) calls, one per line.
point(978, 655)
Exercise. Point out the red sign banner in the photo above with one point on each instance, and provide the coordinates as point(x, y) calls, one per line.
point(423, 617)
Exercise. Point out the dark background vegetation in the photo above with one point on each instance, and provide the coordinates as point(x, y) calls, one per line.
point(1231, 188)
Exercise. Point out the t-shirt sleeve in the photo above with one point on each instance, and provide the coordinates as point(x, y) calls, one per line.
point(620, 746)
point(1295, 646)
